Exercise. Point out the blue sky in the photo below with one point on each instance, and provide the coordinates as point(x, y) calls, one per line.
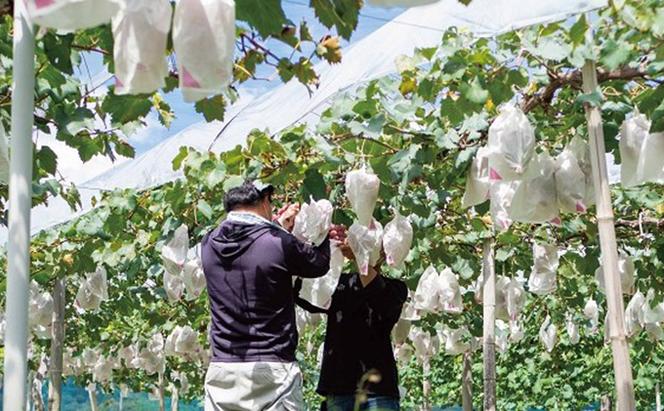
point(296, 10)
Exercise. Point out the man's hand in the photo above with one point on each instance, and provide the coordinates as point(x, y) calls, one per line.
point(338, 233)
point(286, 215)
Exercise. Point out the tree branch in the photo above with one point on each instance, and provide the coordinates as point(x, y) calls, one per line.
point(573, 79)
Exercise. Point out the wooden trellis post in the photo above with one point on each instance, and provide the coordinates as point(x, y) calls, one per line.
point(467, 383)
point(57, 341)
point(607, 234)
point(489, 317)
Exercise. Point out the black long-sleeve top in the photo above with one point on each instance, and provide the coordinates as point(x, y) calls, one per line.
point(358, 336)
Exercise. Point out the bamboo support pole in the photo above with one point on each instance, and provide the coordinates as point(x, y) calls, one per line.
point(92, 395)
point(160, 393)
point(489, 319)
point(426, 385)
point(658, 398)
point(57, 341)
point(467, 383)
point(607, 234)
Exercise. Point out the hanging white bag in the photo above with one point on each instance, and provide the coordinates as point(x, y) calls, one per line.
point(581, 151)
point(193, 278)
point(570, 183)
point(516, 331)
point(515, 298)
point(140, 32)
point(204, 43)
point(547, 334)
point(543, 277)
point(477, 180)
point(400, 331)
point(4, 157)
point(502, 195)
point(93, 290)
point(365, 241)
point(397, 239)
point(572, 330)
point(313, 222)
point(40, 311)
point(319, 291)
point(174, 286)
point(72, 15)
point(625, 269)
point(653, 317)
point(502, 335)
point(642, 153)
point(591, 312)
point(535, 199)
point(456, 341)
point(511, 144)
point(362, 191)
point(174, 252)
point(426, 345)
point(634, 315)
point(427, 293)
point(501, 298)
point(450, 293)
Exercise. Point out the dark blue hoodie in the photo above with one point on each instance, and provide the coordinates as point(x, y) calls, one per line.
point(249, 270)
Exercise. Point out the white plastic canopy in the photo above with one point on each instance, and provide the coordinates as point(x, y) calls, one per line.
point(370, 58)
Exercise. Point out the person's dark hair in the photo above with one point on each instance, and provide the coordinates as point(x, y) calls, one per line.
point(245, 195)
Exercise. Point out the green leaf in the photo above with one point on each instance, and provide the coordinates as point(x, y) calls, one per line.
point(614, 54)
point(266, 16)
point(552, 49)
point(313, 185)
point(658, 22)
point(341, 14)
point(58, 51)
point(125, 149)
point(47, 160)
point(179, 158)
point(578, 30)
point(474, 91)
point(204, 208)
point(232, 182)
point(126, 108)
point(212, 108)
point(594, 99)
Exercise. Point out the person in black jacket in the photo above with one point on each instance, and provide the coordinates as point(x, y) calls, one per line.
point(359, 371)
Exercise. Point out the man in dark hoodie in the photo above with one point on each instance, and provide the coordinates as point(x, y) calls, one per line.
point(249, 262)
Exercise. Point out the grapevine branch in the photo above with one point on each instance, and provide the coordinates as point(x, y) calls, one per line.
point(573, 79)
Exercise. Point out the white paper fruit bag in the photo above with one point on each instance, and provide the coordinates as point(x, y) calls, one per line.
point(502, 195)
point(456, 341)
point(318, 291)
point(174, 253)
point(366, 244)
point(634, 318)
point(477, 180)
point(572, 330)
point(591, 312)
point(547, 334)
point(397, 239)
point(193, 278)
point(570, 183)
point(93, 290)
point(581, 151)
point(72, 15)
point(204, 43)
point(625, 269)
point(535, 199)
point(40, 311)
point(427, 293)
point(140, 32)
point(362, 190)
point(642, 153)
point(450, 293)
point(511, 145)
point(542, 279)
point(515, 298)
point(313, 222)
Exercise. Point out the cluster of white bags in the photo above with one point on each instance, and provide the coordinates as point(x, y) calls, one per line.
point(313, 222)
point(40, 311)
point(71, 15)
point(93, 290)
point(140, 32)
point(425, 344)
point(455, 341)
point(182, 341)
point(640, 314)
point(524, 186)
point(203, 39)
point(542, 279)
point(625, 269)
point(437, 293)
point(151, 358)
point(366, 242)
point(547, 334)
point(362, 190)
point(642, 153)
point(102, 370)
point(397, 240)
point(204, 43)
point(183, 270)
